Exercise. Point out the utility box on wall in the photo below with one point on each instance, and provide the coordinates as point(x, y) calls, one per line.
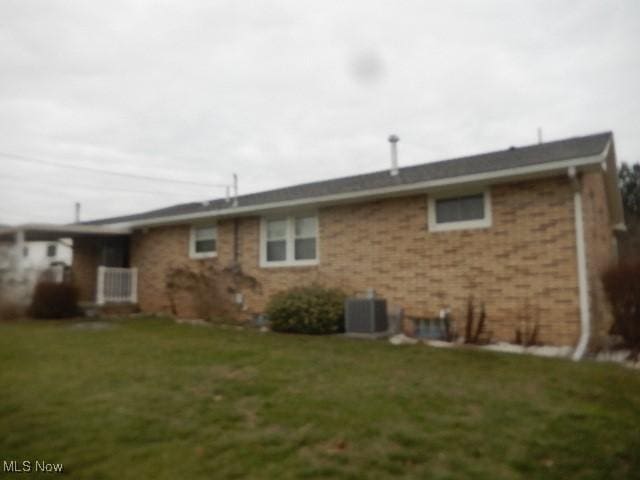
point(366, 315)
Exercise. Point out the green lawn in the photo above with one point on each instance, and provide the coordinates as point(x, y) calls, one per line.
point(152, 399)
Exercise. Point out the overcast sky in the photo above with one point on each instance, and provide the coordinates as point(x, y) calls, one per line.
point(290, 92)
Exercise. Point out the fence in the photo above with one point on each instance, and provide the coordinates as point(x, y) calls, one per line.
point(117, 285)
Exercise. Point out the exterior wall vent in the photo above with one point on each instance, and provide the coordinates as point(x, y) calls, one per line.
point(366, 315)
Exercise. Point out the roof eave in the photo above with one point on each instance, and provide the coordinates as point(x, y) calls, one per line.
point(614, 195)
point(48, 232)
point(498, 176)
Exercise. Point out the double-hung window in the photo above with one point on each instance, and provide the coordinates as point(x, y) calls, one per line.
point(289, 241)
point(460, 212)
point(203, 241)
point(276, 248)
point(305, 238)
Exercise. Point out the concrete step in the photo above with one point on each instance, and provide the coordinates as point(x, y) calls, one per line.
point(94, 310)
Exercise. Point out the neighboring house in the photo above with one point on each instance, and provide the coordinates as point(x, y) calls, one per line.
point(20, 268)
point(36, 256)
point(525, 231)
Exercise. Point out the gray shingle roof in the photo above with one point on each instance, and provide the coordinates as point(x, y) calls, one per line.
point(483, 163)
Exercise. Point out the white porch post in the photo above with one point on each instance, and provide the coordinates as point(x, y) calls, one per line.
point(100, 286)
point(19, 254)
point(134, 285)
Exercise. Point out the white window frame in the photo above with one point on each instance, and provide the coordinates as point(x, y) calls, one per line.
point(290, 238)
point(485, 222)
point(192, 241)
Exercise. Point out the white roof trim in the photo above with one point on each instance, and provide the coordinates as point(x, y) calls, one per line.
point(614, 195)
point(70, 230)
point(486, 178)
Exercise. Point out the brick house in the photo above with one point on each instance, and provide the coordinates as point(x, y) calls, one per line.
point(525, 230)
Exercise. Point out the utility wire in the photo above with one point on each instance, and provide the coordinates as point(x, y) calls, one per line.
point(18, 183)
point(24, 158)
point(35, 184)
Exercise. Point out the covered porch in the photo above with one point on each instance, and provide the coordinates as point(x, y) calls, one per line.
point(100, 260)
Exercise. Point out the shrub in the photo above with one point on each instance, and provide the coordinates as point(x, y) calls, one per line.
point(474, 331)
point(10, 310)
point(527, 333)
point(311, 310)
point(54, 300)
point(622, 287)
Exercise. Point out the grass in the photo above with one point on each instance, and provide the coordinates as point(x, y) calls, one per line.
point(150, 398)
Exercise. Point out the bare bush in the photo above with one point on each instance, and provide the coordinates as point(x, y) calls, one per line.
point(527, 332)
point(210, 288)
point(622, 287)
point(474, 331)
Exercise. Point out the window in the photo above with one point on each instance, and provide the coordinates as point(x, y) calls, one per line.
point(276, 240)
point(291, 240)
point(203, 241)
point(305, 238)
point(460, 212)
point(52, 249)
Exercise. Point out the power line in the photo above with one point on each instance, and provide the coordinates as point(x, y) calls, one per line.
point(28, 183)
point(19, 183)
point(24, 158)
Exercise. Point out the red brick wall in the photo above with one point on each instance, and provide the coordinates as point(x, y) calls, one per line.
point(599, 244)
point(525, 262)
point(155, 252)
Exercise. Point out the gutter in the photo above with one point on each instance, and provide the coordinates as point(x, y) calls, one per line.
point(69, 230)
point(583, 286)
point(481, 178)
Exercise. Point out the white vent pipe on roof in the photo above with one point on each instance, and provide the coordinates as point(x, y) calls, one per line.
point(235, 190)
point(393, 140)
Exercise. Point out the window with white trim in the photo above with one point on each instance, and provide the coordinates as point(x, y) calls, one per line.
point(289, 241)
point(203, 241)
point(466, 211)
point(276, 240)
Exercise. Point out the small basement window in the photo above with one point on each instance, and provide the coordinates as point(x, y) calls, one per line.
point(460, 211)
point(289, 241)
point(203, 241)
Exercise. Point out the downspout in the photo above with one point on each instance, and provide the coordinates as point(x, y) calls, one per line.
point(583, 286)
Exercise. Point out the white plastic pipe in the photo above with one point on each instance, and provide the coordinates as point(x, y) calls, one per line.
point(100, 285)
point(19, 254)
point(235, 190)
point(583, 285)
point(393, 140)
